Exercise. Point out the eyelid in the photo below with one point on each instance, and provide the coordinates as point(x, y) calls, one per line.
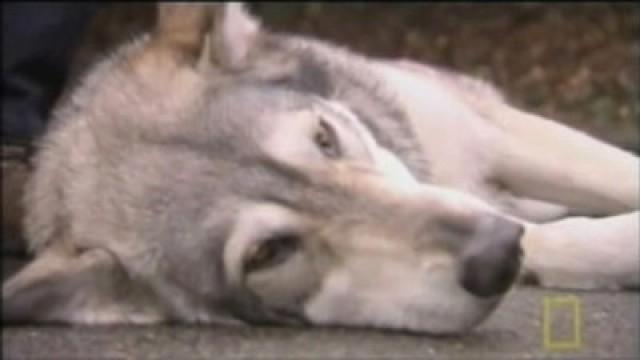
point(327, 126)
point(351, 120)
point(275, 236)
point(269, 236)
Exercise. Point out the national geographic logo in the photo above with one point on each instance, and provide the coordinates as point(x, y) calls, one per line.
point(562, 323)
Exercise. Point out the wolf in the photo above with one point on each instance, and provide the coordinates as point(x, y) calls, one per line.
point(212, 171)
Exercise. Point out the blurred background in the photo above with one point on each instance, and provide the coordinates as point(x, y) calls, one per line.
point(574, 62)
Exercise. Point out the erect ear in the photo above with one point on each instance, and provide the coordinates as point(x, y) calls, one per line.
point(235, 36)
point(86, 288)
point(222, 34)
point(182, 28)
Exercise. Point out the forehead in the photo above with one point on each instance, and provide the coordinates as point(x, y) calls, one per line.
point(253, 107)
point(222, 139)
point(234, 164)
point(199, 135)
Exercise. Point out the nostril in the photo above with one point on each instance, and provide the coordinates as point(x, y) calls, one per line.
point(490, 263)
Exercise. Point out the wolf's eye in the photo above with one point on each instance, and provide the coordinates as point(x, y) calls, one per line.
point(271, 252)
point(326, 140)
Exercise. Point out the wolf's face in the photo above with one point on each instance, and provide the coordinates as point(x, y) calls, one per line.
point(204, 183)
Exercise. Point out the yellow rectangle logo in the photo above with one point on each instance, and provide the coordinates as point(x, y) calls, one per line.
point(558, 312)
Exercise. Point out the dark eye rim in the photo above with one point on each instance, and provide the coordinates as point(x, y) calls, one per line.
point(272, 251)
point(329, 146)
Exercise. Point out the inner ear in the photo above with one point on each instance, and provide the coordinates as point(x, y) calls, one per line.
point(181, 28)
point(221, 34)
point(87, 288)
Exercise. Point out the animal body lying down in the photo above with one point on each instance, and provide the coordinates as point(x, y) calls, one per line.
point(212, 171)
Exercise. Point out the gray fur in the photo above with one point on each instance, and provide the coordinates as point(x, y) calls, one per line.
point(178, 171)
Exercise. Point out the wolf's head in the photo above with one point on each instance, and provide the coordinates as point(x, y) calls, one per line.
point(214, 172)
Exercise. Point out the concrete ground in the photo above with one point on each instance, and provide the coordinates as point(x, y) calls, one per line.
point(606, 326)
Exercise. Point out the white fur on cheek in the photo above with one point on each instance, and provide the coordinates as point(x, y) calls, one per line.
point(394, 170)
point(401, 297)
point(111, 316)
point(341, 301)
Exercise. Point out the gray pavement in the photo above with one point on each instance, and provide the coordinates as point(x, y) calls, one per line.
point(607, 325)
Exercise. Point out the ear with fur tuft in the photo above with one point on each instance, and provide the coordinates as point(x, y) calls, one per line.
point(235, 35)
point(182, 28)
point(221, 34)
point(87, 288)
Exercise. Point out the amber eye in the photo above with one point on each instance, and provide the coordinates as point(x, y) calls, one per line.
point(326, 140)
point(272, 251)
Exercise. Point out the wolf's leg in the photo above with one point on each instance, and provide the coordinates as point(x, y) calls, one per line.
point(559, 171)
point(548, 161)
point(584, 253)
point(533, 210)
point(541, 159)
point(545, 160)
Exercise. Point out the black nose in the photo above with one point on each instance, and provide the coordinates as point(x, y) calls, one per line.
point(491, 261)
